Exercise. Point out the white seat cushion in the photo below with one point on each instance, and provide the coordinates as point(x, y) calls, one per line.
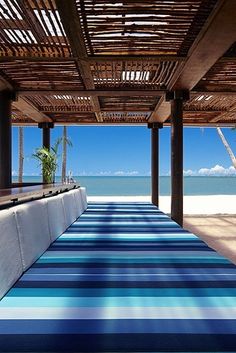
point(84, 198)
point(69, 207)
point(56, 217)
point(33, 229)
point(78, 202)
point(10, 257)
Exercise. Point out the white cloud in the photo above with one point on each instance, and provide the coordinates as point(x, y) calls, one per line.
point(105, 173)
point(217, 170)
point(110, 173)
point(14, 173)
point(189, 172)
point(126, 173)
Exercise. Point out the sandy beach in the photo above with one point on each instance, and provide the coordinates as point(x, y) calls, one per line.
point(212, 218)
point(193, 205)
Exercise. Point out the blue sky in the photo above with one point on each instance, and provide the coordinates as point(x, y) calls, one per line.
point(126, 150)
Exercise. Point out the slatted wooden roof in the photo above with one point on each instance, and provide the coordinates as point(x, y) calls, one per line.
point(111, 62)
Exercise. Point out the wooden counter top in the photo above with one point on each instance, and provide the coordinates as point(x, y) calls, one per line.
point(16, 194)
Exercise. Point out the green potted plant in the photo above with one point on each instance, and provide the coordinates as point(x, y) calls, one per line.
point(48, 160)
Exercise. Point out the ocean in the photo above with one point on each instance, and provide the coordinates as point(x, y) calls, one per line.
point(141, 185)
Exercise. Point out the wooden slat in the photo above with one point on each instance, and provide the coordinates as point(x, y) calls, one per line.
point(209, 103)
point(71, 22)
point(31, 28)
point(23, 105)
point(224, 115)
point(30, 110)
point(218, 34)
point(137, 27)
point(216, 37)
point(45, 75)
point(109, 43)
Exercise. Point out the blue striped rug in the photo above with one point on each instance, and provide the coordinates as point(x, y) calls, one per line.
point(123, 278)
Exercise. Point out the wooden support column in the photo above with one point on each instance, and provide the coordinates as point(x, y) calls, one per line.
point(46, 137)
point(46, 133)
point(177, 98)
point(155, 161)
point(155, 166)
point(6, 98)
point(46, 126)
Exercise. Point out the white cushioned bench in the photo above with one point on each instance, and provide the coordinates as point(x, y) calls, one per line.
point(64, 209)
point(84, 198)
point(56, 216)
point(27, 230)
point(33, 230)
point(78, 202)
point(69, 206)
point(11, 267)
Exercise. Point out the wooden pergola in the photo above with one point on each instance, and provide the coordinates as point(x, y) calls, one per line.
point(135, 62)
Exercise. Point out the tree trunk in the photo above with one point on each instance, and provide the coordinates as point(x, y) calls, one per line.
point(21, 153)
point(64, 154)
point(227, 146)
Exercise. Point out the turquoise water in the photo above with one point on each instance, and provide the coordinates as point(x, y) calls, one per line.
point(131, 186)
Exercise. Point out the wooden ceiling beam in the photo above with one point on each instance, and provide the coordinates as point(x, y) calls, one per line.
point(71, 23)
point(64, 112)
point(92, 93)
point(117, 110)
point(99, 58)
point(22, 104)
point(106, 58)
point(116, 93)
point(5, 85)
point(155, 58)
point(28, 109)
point(161, 111)
point(215, 38)
point(214, 93)
point(36, 58)
point(186, 124)
point(103, 110)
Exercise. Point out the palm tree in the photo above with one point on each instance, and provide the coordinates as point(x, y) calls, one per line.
point(65, 141)
point(227, 146)
point(21, 153)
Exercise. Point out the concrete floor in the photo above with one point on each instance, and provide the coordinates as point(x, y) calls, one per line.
point(218, 231)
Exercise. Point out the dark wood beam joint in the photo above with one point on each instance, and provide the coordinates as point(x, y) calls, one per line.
point(46, 125)
point(183, 95)
point(8, 95)
point(155, 126)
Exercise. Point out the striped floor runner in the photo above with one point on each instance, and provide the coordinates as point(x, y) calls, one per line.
point(123, 278)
